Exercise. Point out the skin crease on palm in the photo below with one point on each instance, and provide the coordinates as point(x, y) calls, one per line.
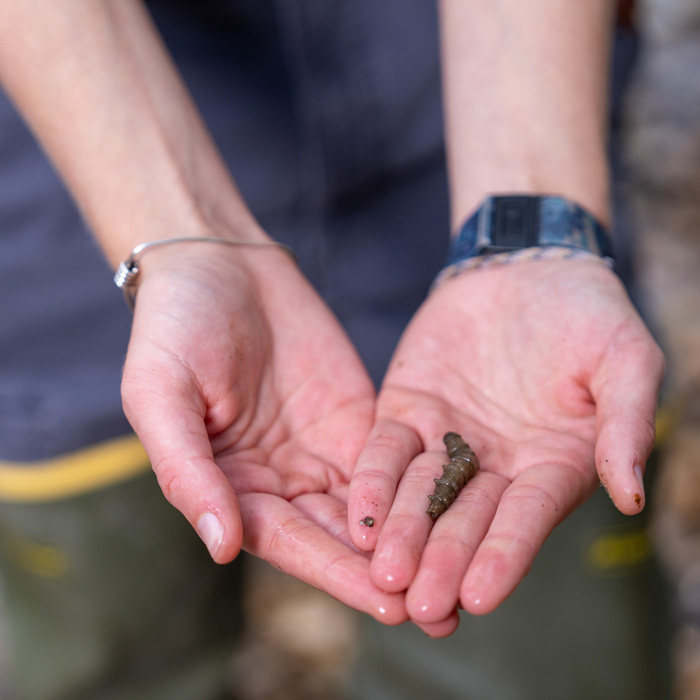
point(558, 382)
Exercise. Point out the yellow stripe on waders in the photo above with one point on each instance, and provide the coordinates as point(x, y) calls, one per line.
point(73, 473)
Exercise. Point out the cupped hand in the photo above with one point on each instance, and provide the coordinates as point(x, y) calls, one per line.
point(548, 372)
point(253, 407)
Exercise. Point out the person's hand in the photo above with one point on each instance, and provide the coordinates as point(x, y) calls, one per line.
point(548, 372)
point(238, 380)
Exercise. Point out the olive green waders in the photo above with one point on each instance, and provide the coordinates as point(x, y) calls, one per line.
point(589, 622)
point(109, 592)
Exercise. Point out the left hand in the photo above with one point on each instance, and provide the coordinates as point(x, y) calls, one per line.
point(548, 372)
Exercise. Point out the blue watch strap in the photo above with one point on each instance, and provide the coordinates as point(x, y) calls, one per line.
point(507, 223)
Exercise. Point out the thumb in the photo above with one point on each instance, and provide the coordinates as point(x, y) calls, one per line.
point(174, 435)
point(626, 390)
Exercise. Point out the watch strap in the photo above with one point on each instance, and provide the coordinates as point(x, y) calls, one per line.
point(506, 223)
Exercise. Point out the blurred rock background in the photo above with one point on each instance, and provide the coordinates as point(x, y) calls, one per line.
point(662, 152)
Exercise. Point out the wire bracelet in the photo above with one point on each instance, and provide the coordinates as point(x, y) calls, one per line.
point(126, 276)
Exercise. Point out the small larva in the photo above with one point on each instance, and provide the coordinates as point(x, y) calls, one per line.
point(464, 464)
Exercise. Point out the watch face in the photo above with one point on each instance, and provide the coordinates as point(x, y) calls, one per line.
point(515, 222)
point(508, 223)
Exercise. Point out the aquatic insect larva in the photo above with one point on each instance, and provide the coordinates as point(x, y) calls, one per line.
point(464, 464)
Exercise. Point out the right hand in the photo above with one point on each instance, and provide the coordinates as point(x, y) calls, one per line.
point(239, 380)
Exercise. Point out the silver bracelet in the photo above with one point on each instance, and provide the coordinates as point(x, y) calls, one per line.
point(126, 276)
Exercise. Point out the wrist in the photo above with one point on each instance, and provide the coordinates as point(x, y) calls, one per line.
point(182, 252)
point(506, 229)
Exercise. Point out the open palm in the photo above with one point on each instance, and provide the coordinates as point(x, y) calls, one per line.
point(253, 407)
point(548, 372)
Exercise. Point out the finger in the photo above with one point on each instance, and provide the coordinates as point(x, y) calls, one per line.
point(626, 396)
point(174, 436)
point(277, 531)
point(389, 449)
point(454, 539)
point(443, 628)
point(407, 526)
point(529, 510)
point(329, 513)
point(246, 472)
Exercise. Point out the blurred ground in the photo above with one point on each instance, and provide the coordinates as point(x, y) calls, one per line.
point(300, 643)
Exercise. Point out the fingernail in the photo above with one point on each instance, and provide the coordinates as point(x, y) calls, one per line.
point(211, 531)
point(639, 473)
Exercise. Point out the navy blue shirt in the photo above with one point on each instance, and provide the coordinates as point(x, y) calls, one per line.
point(329, 117)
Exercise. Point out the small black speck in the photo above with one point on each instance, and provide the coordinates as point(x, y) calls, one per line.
point(367, 522)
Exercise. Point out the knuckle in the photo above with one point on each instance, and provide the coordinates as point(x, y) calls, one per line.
point(169, 481)
point(387, 443)
point(288, 531)
point(534, 494)
point(479, 499)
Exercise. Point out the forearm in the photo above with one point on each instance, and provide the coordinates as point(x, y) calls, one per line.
point(526, 99)
point(98, 88)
